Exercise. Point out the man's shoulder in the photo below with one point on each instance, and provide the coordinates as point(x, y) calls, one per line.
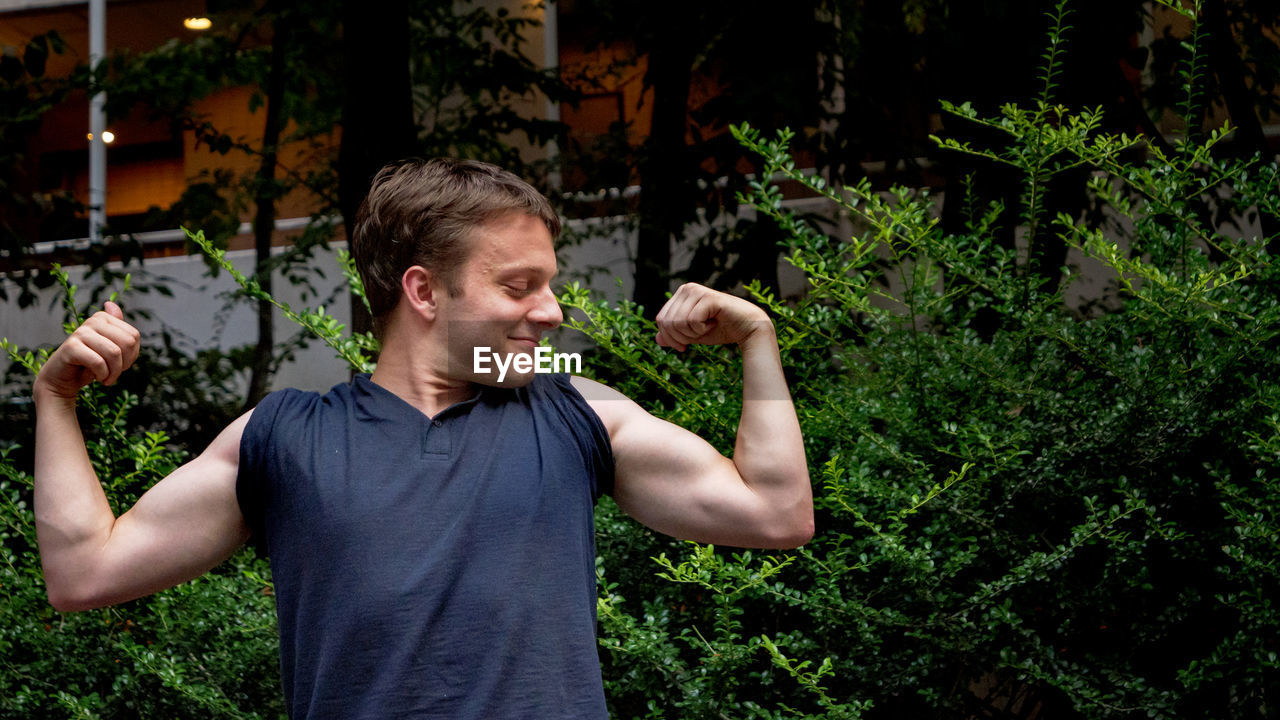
point(565, 393)
point(593, 390)
point(553, 382)
point(291, 403)
point(289, 397)
point(612, 407)
point(574, 390)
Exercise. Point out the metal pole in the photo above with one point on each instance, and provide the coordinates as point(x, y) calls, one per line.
point(97, 124)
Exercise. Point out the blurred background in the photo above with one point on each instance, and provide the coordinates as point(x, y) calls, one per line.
point(260, 123)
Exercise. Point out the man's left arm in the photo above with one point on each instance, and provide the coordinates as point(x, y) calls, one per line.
point(674, 481)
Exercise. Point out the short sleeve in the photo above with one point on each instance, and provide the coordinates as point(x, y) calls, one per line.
point(252, 478)
point(591, 434)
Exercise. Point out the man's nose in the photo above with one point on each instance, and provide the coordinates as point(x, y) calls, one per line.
point(547, 311)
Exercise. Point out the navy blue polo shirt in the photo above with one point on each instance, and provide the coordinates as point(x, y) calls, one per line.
point(431, 567)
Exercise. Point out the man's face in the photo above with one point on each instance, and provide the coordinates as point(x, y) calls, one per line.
point(506, 302)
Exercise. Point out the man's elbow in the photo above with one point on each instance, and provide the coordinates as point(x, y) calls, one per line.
point(794, 534)
point(791, 524)
point(790, 530)
point(805, 530)
point(66, 602)
point(65, 598)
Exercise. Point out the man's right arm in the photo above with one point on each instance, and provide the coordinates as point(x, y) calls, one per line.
point(183, 526)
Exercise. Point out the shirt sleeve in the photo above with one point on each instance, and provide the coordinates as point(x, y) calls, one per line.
point(591, 434)
point(252, 480)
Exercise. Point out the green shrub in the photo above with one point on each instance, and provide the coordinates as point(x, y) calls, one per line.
point(1024, 508)
point(1074, 512)
point(205, 649)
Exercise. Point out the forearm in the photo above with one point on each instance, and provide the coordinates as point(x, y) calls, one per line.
point(73, 517)
point(769, 450)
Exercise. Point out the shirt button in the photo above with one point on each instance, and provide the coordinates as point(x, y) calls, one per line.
point(436, 423)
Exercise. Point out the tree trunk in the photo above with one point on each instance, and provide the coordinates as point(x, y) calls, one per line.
point(377, 114)
point(665, 204)
point(266, 191)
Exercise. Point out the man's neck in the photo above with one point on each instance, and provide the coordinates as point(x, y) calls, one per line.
point(412, 377)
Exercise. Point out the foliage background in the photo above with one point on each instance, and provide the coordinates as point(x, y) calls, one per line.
point(1026, 508)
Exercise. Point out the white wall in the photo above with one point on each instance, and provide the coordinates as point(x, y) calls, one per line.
point(199, 313)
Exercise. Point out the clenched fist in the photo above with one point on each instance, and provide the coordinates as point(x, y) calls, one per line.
point(102, 348)
point(698, 315)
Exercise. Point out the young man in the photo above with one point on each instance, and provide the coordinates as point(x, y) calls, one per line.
point(429, 527)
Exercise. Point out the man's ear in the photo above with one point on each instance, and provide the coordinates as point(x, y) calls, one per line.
point(421, 289)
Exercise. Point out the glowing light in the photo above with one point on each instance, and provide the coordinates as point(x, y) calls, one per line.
point(197, 23)
point(108, 137)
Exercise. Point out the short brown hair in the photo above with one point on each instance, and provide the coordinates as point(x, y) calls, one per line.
point(419, 212)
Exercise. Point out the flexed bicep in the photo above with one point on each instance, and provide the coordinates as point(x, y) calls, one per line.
point(183, 526)
point(677, 483)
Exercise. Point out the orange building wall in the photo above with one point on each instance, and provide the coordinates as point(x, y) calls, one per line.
point(228, 111)
point(147, 166)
